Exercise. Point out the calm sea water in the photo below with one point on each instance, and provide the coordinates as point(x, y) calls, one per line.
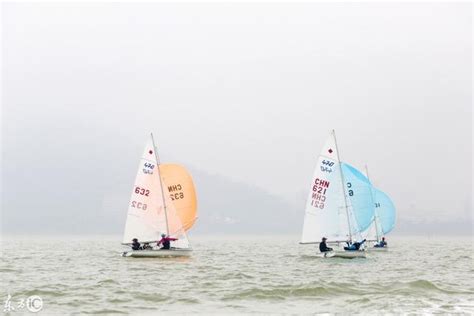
point(238, 275)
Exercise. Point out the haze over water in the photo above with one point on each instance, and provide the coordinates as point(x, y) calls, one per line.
point(246, 274)
point(246, 91)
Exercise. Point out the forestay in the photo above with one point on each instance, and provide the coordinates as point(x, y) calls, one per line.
point(175, 227)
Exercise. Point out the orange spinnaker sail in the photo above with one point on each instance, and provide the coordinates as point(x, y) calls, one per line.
point(179, 186)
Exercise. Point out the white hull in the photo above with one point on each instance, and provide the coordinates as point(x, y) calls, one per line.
point(158, 253)
point(378, 249)
point(343, 254)
point(349, 254)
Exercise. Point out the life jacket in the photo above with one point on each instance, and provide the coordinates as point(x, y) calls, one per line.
point(136, 246)
point(166, 244)
point(323, 247)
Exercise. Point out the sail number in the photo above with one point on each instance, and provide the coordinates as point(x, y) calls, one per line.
point(148, 168)
point(318, 196)
point(350, 191)
point(177, 196)
point(175, 191)
point(142, 191)
point(139, 205)
point(319, 189)
point(149, 165)
point(326, 166)
point(328, 163)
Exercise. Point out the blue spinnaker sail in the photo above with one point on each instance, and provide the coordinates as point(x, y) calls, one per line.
point(359, 193)
point(385, 211)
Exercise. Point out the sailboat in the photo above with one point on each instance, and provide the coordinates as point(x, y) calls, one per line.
point(163, 201)
point(338, 205)
point(383, 220)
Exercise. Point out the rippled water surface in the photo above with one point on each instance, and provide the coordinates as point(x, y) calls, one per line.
point(239, 275)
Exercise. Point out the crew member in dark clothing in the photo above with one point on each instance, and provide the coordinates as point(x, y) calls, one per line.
point(354, 246)
point(136, 245)
point(381, 243)
point(323, 247)
point(165, 241)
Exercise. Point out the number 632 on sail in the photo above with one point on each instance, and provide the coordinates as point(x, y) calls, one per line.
point(139, 205)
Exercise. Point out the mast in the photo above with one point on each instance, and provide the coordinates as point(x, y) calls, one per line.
point(161, 183)
point(343, 186)
point(373, 203)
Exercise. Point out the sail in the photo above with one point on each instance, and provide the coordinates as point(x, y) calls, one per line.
point(325, 212)
point(147, 216)
point(385, 211)
point(384, 217)
point(359, 197)
point(373, 233)
point(175, 226)
point(180, 189)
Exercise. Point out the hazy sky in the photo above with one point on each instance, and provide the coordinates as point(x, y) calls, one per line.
point(246, 91)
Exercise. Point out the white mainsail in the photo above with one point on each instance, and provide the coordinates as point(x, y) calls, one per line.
point(373, 233)
point(383, 220)
point(327, 212)
point(150, 212)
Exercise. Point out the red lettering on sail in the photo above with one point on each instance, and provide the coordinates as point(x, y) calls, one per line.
point(318, 196)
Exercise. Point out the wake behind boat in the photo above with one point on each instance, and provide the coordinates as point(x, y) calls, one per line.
point(162, 208)
point(338, 206)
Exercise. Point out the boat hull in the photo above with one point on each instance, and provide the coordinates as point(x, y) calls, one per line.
point(349, 254)
point(168, 253)
point(342, 254)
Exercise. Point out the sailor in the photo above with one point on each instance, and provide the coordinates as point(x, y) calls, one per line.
point(354, 246)
point(381, 243)
point(146, 246)
point(136, 244)
point(323, 247)
point(165, 241)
